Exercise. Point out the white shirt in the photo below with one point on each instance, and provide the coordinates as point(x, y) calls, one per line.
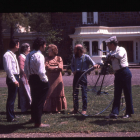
point(10, 65)
point(23, 56)
point(120, 59)
point(36, 65)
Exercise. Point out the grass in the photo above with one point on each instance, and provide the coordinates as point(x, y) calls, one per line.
point(66, 122)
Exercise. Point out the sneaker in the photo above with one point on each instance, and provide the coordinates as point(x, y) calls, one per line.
point(111, 115)
point(126, 116)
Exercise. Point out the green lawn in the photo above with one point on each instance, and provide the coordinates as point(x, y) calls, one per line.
point(66, 122)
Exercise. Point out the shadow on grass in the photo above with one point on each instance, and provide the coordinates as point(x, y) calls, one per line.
point(55, 112)
point(16, 113)
point(111, 122)
point(10, 128)
point(81, 117)
point(2, 113)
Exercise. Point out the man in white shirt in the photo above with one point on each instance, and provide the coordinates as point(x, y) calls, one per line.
point(35, 71)
point(11, 67)
point(122, 80)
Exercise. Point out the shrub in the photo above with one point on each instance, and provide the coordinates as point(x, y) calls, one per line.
point(110, 69)
point(62, 73)
point(69, 72)
point(96, 72)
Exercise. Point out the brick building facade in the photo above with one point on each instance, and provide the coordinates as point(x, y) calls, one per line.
point(66, 21)
point(119, 18)
point(69, 21)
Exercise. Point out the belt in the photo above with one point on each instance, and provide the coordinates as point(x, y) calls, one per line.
point(16, 74)
point(121, 69)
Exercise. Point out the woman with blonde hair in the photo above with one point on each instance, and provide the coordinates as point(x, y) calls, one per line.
point(55, 100)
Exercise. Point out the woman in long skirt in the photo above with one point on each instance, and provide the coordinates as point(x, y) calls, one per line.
point(55, 100)
point(24, 88)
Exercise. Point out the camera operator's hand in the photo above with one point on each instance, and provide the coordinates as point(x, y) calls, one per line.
point(96, 66)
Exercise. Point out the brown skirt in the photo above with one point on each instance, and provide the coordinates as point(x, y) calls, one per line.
point(55, 100)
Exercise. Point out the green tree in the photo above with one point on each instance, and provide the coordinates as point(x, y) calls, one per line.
point(13, 20)
point(41, 23)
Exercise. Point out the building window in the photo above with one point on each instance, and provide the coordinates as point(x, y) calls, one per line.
point(95, 48)
point(136, 51)
point(89, 17)
point(104, 48)
point(86, 44)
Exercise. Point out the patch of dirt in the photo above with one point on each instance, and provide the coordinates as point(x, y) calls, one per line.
point(64, 122)
point(95, 134)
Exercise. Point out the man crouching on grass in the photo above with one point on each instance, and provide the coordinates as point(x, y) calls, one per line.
point(79, 64)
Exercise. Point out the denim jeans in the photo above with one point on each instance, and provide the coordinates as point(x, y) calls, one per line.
point(83, 84)
point(12, 91)
point(123, 82)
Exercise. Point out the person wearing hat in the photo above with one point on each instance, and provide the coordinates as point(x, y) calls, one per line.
point(79, 64)
point(122, 80)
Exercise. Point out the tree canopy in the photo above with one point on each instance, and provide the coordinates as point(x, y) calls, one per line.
point(41, 23)
point(13, 20)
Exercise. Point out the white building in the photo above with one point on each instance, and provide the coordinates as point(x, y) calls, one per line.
point(94, 36)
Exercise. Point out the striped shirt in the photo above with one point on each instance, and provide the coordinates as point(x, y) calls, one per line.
point(120, 59)
point(10, 65)
point(76, 63)
point(35, 64)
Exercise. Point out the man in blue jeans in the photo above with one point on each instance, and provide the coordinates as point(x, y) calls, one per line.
point(11, 67)
point(122, 78)
point(79, 64)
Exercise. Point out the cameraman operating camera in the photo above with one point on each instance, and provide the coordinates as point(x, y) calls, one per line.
point(122, 80)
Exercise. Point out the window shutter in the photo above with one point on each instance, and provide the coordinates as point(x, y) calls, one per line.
point(84, 17)
point(96, 17)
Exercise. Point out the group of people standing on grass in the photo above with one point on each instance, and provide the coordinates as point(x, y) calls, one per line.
point(39, 80)
point(38, 91)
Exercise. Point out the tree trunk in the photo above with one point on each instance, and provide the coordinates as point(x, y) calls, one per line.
point(1, 43)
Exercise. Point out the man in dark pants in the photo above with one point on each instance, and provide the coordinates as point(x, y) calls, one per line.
point(35, 71)
point(79, 64)
point(122, 78)
point(11, 67)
